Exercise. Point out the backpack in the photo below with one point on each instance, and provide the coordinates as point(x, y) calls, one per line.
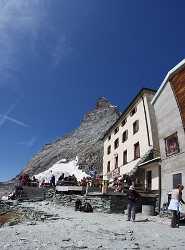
point(78, 205)
point(87, 208)
point(132, 195)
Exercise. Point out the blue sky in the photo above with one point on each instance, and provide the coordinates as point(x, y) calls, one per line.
point(58, 57)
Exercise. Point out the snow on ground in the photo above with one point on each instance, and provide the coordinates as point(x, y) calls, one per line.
point(77, 230)
point(62, 166)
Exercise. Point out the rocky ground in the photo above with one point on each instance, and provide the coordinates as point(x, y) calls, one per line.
point(52, 226)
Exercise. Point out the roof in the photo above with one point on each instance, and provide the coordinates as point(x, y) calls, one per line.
point(150, 156)
point(132, 103)
point(170, 73)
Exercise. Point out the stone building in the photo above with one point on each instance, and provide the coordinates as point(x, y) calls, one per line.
point(131, 144)
point(169, 105)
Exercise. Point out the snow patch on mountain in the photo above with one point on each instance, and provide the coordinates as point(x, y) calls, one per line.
point(62, 166)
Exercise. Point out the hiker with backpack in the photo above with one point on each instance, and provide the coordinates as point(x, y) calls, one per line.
point(133, 197)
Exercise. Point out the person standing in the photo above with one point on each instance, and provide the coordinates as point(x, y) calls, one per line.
point(52, 181)
point(175, 202)
point(133, 196)
point(87, 187)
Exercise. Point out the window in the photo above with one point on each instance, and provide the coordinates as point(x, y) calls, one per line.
point(108, 166)
point(171, 144)
point(116, 130)
point(109, 149)
point(125, 157)
point(116, 161)
point(109, 137)
point(149, 180)
point(177, 179)
point(135, 127)
point(133, 111)
point(125, 136)
point(136, 151)
point(123, 122)
point(116, 143)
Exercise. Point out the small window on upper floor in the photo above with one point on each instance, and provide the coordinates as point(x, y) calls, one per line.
point(116, 143)
point(133, 111)
point(108, 166)
point(136, 151)
point(116, 130)
point(135, 126)
point(123, 122)
point(172, 144)
point(125, 157)
point(109, 137)
point(116, 162)
point(109, 149)
point(125, 136)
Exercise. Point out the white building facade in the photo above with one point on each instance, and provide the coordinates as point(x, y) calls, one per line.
point(169, 105)
point(131, 140)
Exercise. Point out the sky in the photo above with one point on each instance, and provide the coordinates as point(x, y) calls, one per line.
point(57, 57)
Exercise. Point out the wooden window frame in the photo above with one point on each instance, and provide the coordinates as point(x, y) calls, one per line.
point(116, 143)
point(124, 122)
point(136, 123)
point(109, 149)
point(133, 111)
point(116, 130)
point(126, 131)
point(166, 141)
point(179, 182)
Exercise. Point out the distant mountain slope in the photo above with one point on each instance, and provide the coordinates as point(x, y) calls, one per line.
point(84, 142)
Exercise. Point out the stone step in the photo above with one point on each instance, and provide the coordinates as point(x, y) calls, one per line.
point(33, 193)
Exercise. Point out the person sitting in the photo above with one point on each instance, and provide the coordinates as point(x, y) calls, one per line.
point(34, 182)
point(61, 177)
point(42, 183)
point(25, 180)
point(18, 191)
point(87, 208)
point(83, 182)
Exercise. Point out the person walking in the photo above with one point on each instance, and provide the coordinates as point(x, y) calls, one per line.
point(133, 196)
point(174, 206)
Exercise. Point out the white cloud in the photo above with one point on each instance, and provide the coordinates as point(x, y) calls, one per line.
point(5, 117)
point(8, 118)
point(14, 21)
point(27, 23)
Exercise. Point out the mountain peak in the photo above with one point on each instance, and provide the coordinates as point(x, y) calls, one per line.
point(83, 141)
point(103, 102)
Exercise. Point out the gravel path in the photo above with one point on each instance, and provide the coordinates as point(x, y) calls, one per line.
point(77, 230)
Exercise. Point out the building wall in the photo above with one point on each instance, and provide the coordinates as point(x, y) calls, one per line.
point(141, 136)
point(153, 123)
point(169, 121)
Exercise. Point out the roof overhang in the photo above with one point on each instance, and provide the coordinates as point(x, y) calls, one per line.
point(177, 68)
point(157, 159)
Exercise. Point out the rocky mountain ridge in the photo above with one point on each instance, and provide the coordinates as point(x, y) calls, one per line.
point(84, 142)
